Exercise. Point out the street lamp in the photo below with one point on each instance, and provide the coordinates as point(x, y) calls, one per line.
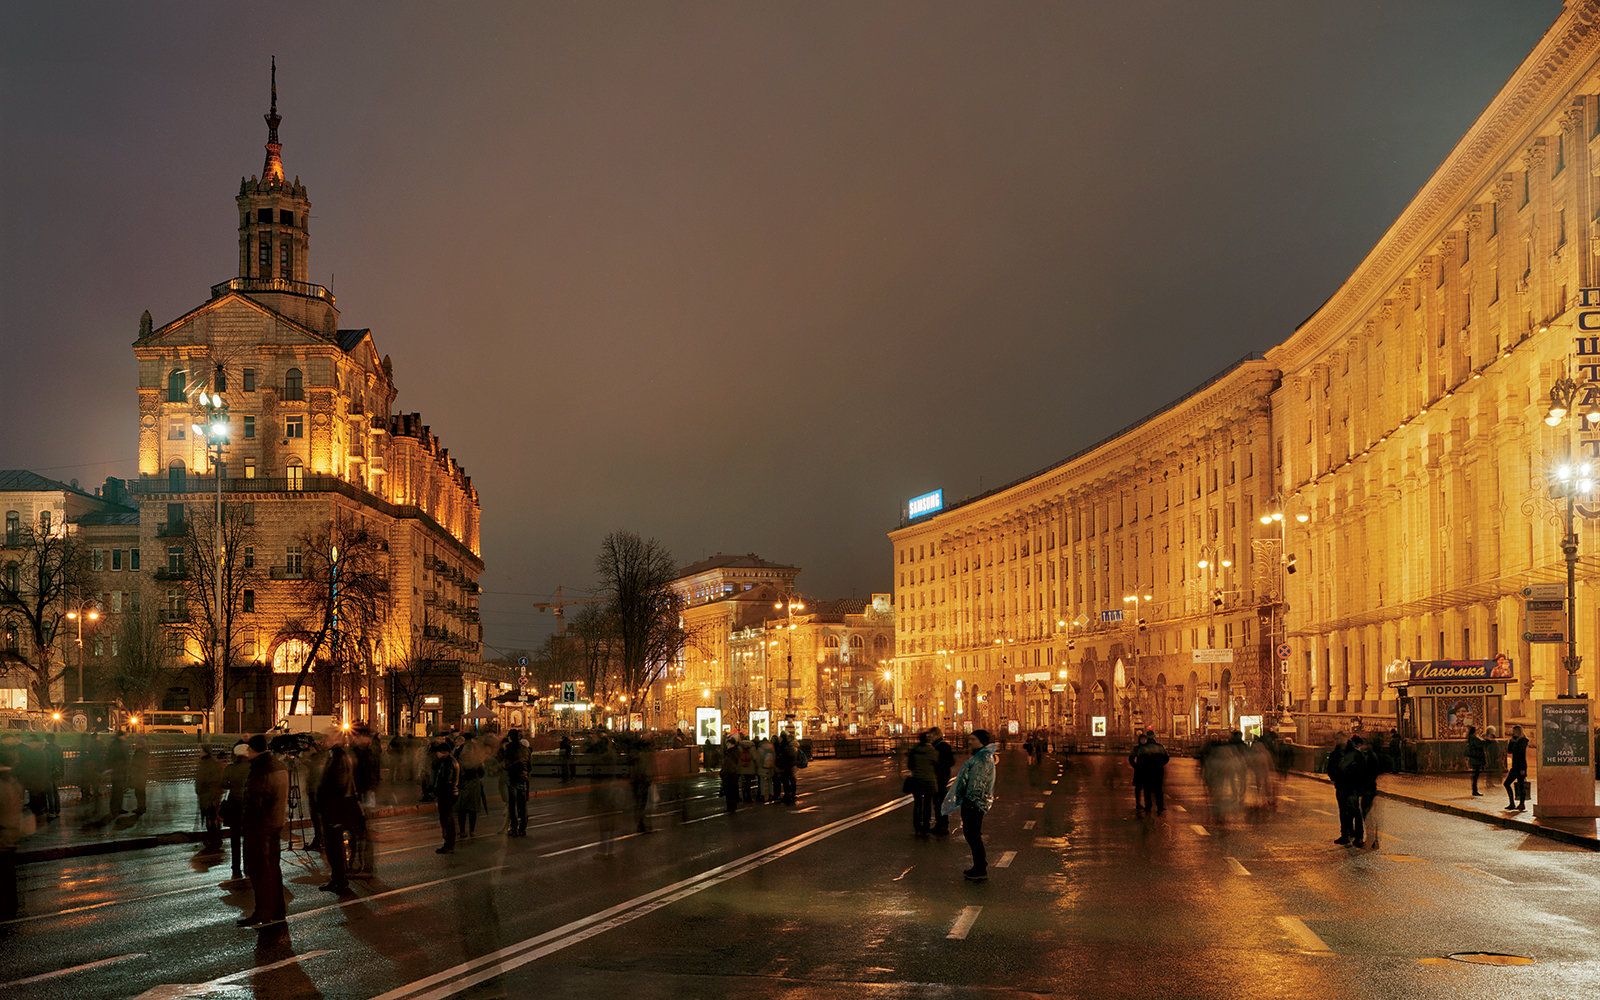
point(1274, 517)
point(78, 614)
point(215, 434)
point(1575, 479)
point(789, 605)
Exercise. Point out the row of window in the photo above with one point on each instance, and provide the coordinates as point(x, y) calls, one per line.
point(115, 560)
point(293, 427)
point(14, 526)
point(178, 383)
point(294, 474)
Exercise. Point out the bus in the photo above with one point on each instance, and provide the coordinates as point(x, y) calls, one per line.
point(173, 722)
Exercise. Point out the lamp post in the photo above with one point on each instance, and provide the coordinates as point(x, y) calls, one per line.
point(1212, 563)
point(78, 614)
point(789, 605)
point(1575, 478)
point(215, 434)
point(1274, 516)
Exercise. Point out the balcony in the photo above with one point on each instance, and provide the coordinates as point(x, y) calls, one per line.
point(168, 573)
point(302, 288)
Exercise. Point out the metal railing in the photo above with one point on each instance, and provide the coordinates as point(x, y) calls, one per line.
point(304, 288)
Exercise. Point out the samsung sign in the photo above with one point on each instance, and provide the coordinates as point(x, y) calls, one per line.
point(928, 503)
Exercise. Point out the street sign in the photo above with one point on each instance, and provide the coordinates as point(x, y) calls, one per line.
point(522, 661)
point(1284, 651)
point(1545, 591)
point(1213, 656)
point(1111, 616)
point(1546, 621)
point(569, 691)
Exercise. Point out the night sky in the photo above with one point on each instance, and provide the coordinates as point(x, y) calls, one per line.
point(742, 277)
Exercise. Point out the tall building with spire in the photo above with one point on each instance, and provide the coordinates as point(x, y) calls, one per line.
point(258, 403)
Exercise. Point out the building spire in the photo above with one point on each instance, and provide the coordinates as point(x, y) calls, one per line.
point(272, 170)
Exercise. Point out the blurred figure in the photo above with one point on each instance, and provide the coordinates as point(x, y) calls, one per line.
point(515, 760)
point(1516, 783)
point(10, 836)
point(787, 759)
point(1223, 766)
point(639, 781)
point(139, 774)
point(564, 755)
point(117, 771)
point(1477, 756)
point(1259, 764)
point(340, 808)
point(944, 761)
point(208, 797)
point(315, 761)
point(266, 809)
point(974, 794)
point(472, 759)
point(55, 771)
point(603, 788)
point(234, 778)
point(920, 762)
point(730, 774)
point(446, 774)
point(747, 770)
point(1138, 773)
point(87, 771)
point(766, 769)
point(33, 775)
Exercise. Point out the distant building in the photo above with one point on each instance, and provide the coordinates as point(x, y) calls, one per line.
point(314, 448)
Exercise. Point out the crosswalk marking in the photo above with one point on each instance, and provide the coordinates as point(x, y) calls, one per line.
point(1306, 936)
point(1197, 828)
point(1029, 824)
point(1006, 859)
point(1237, 866)
point(963, 924)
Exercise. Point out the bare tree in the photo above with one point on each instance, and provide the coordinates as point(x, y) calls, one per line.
point(416, 664)
point(39, 571)
point(636, 578)
point(141, 670)
point(346, 589)
point(215, 630)
point(588, 652)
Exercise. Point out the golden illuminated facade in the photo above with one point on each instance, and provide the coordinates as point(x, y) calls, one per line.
point(313, 440)
point(1396, 443)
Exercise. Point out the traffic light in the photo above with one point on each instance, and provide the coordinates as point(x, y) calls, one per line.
point(1288, 564)
point(1072, 644)
point(1141, 624)
point(1216, 598)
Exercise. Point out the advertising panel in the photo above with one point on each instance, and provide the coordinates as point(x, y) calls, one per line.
point(927, 503)
point(1097, 725)
point(761, 725)
point(1453, 714)
point(1436, 671)
point(1564, 734)
point(708, 725)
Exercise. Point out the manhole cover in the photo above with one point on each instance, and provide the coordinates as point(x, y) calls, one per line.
point(1487, 958)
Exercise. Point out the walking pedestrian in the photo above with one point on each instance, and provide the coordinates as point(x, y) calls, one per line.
point(471, 756)
point(55, 769)
point(1150, 772)
point(944, 761)
point(747, 770)
point(1373, 763)
point(1342, 791)
point(33, 774)
point(729, 775)
point(208, 797)
point(786, 758)
point(234, 777)
point(1516, 783)
point(117, 770)
point(11, 833)
point(1477, 756)
point(139, 774)
point(266, 809)
point(973, 794)
point(568, 771)
point(921, 783)
point(515, 760)
point(640, 771)
point(340, 808)
point(446, 787)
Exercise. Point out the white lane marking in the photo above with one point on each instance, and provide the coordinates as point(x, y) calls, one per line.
point(1306, 936)
point(1048, 791)
point(1488, 875)
point(902, 874)
point(464, 976)
point(1029, 824)
point(1197, 828)
point(174, 991)
point(1236, 866)
point(1178, 808)
point(1006, 859)
point(1056, 782)
point(592, 843)
point(1321, 812)
point(63, 972)
point(963, 924)
point(1038, 805)
point(702, 819)
point(359, 900)
point(809, 809)
point(108, 902)
point(1287, 798)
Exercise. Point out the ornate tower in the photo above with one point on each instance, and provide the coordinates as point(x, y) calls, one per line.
point(274, 215)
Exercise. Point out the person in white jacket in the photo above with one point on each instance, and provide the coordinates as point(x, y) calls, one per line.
point(973, 793)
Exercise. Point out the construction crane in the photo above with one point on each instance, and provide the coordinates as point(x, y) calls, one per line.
point(559, 606)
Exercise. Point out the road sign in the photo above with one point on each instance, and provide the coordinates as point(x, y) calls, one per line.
point(1284, 650)
point(1545, 591)
point(1111, 616)
point(1213, 656)
point(569, 691)
point(522, 661)
point(1546, 621)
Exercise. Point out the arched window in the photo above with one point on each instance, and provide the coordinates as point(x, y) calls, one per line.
point(13, 527)
point(856, 643)
point(286, 661)
point(176, 385)
point(294, 475)
point(44, 522)
point(177, 477)
point(833, 642)
point(293, 384)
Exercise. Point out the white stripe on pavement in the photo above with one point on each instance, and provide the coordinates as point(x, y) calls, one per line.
point(1236, 866)
point(1029, 824)
point(362, 900)
point(1006, 859)
point(963, 924)
point(1197, 828)
point(62, 972)
point(1480, 871)
point(1306, 936)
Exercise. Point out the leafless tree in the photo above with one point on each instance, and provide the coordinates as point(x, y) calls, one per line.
point(416, 664)
point(636, 578)
point(142, 668)
point(588, 652)
point(39, 572)
point(346, 590)
point(215, 630)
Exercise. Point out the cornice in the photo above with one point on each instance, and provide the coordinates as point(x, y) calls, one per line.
point(1505, 133)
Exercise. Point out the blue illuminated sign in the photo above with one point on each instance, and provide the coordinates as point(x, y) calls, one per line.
point(928, 503)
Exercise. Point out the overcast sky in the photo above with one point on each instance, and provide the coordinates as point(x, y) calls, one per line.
point(742, 277)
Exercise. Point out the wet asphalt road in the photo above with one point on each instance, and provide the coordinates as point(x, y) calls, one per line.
point(837, 898)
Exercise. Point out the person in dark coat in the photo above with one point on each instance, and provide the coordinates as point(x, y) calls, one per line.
point(1150, 773)
point(446, 788)
point(1354, 774)
point(1477, 756)
point(729, 775)
point(920, 761)
point(234, 777)
point(266, 810)
point(340, 808)
point(117, 766)
point(208, 797)
point(1517, 771)
point(139, 774)
point(944, 764)
point(515, 760)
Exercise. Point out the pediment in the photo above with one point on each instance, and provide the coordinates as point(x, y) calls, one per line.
point(232, 311)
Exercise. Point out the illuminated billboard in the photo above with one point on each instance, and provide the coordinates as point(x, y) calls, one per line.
point(928, 503)
point(708, 725)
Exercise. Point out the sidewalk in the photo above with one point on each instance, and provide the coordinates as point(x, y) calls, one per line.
point(172, 817)
point(1452, 793)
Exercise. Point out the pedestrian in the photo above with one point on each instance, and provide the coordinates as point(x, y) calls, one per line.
point(1150, 772)
point(604, 791)
point(564, 754)
point(747, 770)
point(33, 774)
point(1351, 774)
point(515, 761)
point(767, 769)
point(139, 774)
point(639, 781)
point(729, 774)
point(446, 773)
point(117, 771)
point(944, 762)
point(340, 808)
point(1373, 763)
point(471, 796)
point(1516, 783)
point(973, 793)
point(1341, 787)
point(234, 778)
point(11, 833)
point(785, 759)
point(55, 769)
point(921, 782)
point(1477, 756)
point(1138, 773)
point(266, 809)
point(208, 797)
